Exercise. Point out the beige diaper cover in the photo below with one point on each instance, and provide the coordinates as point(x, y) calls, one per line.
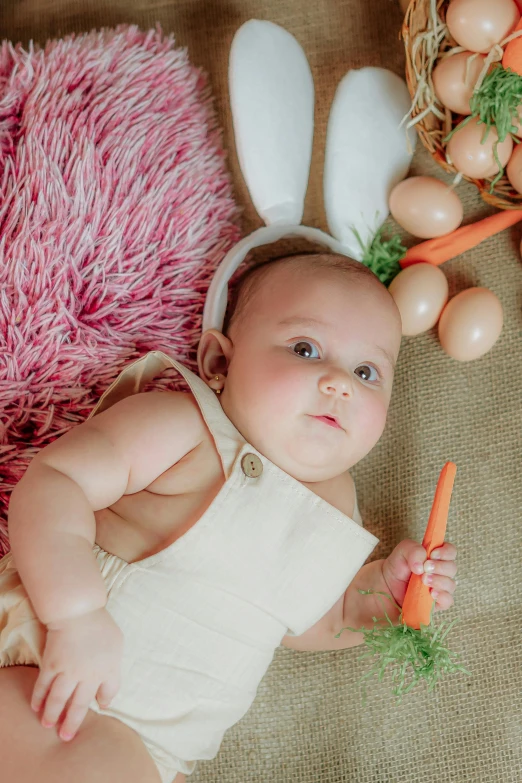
point(22, 635)
point(202, 619)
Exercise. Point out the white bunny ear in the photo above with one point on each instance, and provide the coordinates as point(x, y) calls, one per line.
point(367, 153)
point(272, 98)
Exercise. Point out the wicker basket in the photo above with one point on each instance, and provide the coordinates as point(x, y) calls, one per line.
point(433, 129)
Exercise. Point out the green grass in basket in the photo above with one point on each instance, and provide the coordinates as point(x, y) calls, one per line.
point(496, 102)
point(411, 655)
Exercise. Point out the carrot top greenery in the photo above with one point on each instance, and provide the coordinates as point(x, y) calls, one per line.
point(412, 655)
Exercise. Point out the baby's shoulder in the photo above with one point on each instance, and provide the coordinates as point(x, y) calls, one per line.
point(154, 404)
point(155, 417)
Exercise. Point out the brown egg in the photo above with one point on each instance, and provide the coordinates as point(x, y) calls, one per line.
point(472, 155)
point(514, 168)
point(470, 324)
point(426, 207)
point(420, 292)
point(449, 80)
point(478, 25)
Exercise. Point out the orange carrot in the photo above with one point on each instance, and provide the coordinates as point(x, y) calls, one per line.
point(513, 53)
point(417, 605)
point(437, 251)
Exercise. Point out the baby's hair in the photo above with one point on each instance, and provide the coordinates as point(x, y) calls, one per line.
point(246, 284)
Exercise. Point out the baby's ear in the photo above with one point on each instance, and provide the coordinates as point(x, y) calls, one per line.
point(214, 355)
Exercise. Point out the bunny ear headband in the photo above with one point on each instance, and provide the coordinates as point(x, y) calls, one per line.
point(367, 150)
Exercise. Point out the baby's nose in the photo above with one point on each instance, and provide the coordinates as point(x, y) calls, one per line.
point(336, 384)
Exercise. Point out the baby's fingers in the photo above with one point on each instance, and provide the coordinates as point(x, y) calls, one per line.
point(41, 688)
point(77, 710)
point(59, 694)
point(440, 583)
point(441, 590)
point(441, 567)
point(445, 552)
point(106, 692)
point(442, 600)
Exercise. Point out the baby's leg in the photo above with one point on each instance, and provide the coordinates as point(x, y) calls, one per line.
point(103, 750)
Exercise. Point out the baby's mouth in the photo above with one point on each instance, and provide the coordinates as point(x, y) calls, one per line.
point(330, 420)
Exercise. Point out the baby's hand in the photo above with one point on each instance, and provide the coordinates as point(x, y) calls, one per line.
point(439, 571)
point(81, 662)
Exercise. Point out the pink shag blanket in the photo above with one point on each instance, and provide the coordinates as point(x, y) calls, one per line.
point(115, 208)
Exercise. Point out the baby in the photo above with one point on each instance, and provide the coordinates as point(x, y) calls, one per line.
point(167, 546)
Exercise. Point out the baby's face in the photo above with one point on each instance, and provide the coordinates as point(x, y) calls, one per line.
point(310, 376)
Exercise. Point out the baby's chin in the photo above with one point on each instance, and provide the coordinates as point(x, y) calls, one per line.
point(309, 456)
point(314, 474)
point(311, 462)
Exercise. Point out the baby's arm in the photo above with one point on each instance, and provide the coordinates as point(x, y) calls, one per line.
point(52, 529)
point(349, 610)
point(391, 576)
point(51, 512)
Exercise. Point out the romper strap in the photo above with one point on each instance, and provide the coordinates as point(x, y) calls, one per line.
point(140, 372)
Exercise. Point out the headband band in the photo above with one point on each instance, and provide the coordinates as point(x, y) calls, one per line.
point(217, 296)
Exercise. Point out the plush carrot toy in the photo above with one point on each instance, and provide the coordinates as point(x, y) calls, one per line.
point(418, 603)
point(415, 647)
point(386, 258)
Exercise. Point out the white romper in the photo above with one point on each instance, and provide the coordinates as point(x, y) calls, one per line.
point(202, 618)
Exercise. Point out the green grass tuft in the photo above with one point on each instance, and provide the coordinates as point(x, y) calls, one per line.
point(382, 256)
point(411, 655)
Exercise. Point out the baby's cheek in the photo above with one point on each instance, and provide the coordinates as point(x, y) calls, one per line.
point(270, 403)
point(372, 419)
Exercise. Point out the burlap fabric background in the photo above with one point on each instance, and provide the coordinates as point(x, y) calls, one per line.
point(308, 723)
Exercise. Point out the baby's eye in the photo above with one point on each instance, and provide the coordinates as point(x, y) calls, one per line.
point(305, 349)
point(365, 371)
